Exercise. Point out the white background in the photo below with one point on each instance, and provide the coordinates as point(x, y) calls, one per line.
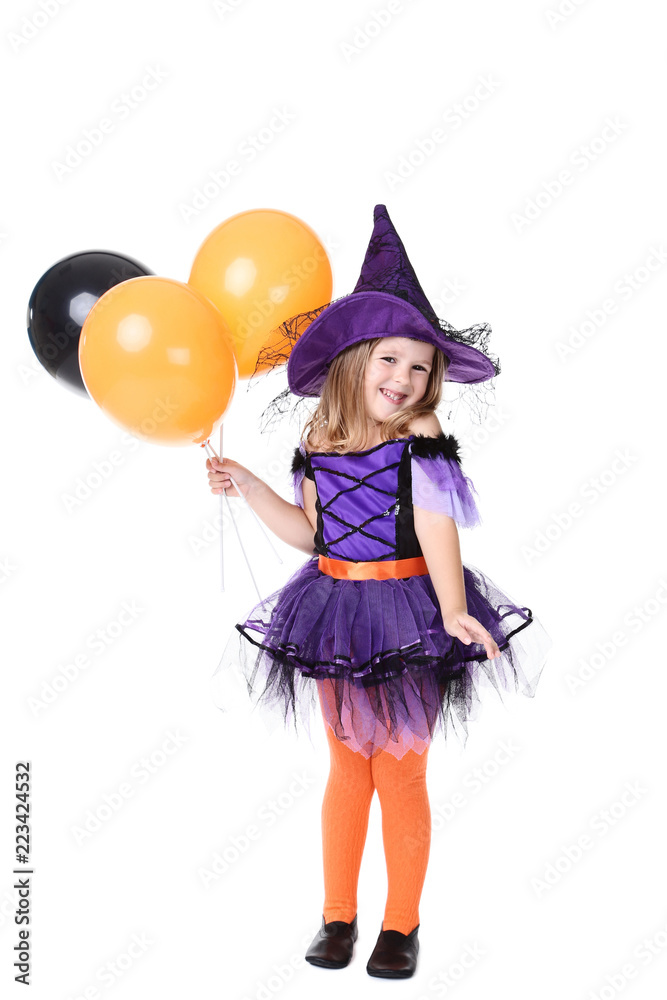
point(361, 97)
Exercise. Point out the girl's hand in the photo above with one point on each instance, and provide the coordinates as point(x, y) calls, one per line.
point(463, 626)
point(219, 477)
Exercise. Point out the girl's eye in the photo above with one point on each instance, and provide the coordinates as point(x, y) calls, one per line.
point(421, 367)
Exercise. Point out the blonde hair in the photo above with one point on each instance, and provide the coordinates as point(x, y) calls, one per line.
point(340, 424)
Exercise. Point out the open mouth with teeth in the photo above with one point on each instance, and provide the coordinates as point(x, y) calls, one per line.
point(394, 397)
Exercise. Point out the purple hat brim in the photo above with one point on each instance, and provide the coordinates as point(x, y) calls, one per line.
point(364, 316)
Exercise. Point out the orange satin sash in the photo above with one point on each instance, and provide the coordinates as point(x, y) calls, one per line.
point(342, 569)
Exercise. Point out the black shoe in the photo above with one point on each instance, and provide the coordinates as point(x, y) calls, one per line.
point(394, 955)
point(333, 944)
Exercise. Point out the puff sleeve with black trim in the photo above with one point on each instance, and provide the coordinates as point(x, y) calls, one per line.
point(438, 481)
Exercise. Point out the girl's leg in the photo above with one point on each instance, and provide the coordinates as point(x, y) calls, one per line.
point(406, 832)
point(345, 810)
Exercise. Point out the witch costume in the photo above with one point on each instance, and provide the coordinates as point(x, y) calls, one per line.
point(358, 627)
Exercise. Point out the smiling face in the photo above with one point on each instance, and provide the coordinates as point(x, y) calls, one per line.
point(396, 376)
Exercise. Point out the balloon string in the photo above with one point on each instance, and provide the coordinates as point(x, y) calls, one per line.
point(254, 513)
point(222, 521)
point(231, 514)
point(210, 452)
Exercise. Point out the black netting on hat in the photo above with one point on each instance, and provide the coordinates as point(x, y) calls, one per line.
point(272, 360)
point(274, 356)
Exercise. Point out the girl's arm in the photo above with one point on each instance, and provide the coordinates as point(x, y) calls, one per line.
point(287, 520)
point(439, 540)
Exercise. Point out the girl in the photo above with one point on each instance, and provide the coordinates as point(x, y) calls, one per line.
point(383, 628)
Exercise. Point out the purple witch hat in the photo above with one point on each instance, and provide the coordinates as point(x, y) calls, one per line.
point(387, 301)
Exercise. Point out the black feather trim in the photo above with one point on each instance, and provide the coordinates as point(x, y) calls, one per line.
point(431, 447)
point(298, 461)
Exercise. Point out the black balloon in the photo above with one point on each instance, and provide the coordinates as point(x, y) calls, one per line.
point(60, 302)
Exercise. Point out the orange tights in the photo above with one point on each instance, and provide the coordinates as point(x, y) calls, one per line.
point(406, 830)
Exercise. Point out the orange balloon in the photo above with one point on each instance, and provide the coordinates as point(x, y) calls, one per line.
point(259, 268)
point(157, 357)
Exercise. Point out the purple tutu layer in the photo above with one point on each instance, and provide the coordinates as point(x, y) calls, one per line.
point(376, 656)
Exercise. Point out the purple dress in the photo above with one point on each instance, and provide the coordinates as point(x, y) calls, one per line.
point(374, 653)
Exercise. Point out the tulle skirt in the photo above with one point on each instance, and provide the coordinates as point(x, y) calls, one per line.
point(374, 657)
